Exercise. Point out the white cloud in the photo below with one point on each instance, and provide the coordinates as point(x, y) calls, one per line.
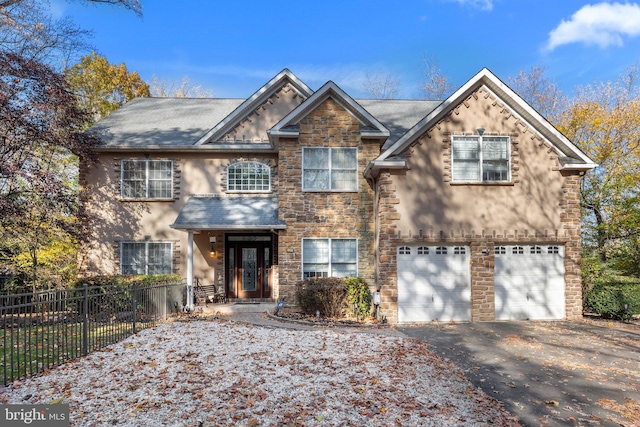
point(480, 4)
point(602, 24)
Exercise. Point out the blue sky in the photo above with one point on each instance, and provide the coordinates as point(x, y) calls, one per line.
point(233, 47)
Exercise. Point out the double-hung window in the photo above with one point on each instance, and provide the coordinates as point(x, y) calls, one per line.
point(329, 169)
point(145, 258)
point(248, 176)
point(329, 258)
point(481, 158)
point(147, 179)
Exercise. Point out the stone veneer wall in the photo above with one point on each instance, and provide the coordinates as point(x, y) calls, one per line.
point(323, 214)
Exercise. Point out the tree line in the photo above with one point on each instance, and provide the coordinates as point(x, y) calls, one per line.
point(47, 104)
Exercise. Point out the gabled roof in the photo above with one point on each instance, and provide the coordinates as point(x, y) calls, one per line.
point(289, 125)
point(570, 156)
point(254, 101)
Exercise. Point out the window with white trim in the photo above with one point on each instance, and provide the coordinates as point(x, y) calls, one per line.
point(147, 179)
point(441, 250)
point(248, 176)
point(146, 258)
point(480, 158)
point(329, 258)
point(553, 250)
point(329, 169)
point(423, 250)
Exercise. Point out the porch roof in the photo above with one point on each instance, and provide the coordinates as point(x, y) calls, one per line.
point(229, 213)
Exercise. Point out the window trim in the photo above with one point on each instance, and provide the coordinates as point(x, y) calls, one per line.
point(479, 139)
point(263, 165)
point(331, 170)
point(146, 179)
point(146, 255)
point(329, 263)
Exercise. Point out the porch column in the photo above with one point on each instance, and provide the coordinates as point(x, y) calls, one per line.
point(190, 271)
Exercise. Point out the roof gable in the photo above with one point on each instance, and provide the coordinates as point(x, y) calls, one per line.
point(570, 155)
point(228, 130)
point(289, 125)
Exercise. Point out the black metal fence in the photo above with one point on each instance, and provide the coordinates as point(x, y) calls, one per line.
point(45, 329)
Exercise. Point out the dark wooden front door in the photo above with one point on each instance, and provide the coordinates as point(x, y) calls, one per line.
point(248, 266)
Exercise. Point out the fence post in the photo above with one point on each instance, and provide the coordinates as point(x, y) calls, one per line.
point(134, 303)
point(164, 302)
point(85, 323)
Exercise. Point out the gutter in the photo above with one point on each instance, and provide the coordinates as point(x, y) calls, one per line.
point(374, 167)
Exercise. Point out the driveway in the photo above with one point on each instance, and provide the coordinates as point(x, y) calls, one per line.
point(547, 373)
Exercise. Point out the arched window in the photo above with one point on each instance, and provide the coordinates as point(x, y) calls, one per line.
point(248, 176)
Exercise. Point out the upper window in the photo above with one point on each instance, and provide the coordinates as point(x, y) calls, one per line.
point(145, 258)
point(248, 176)
point(147, 179)
point(330, 169)
point(329, 257)
point(480, 158)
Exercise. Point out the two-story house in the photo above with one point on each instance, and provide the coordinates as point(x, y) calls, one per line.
point(465, 209)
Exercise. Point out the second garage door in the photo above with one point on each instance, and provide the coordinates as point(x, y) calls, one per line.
point(433, 283)
point(529, 282)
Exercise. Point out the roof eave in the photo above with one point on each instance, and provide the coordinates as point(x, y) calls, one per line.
point(262, 148)
point(374, 167)
point(579, 166)
point(200, 227)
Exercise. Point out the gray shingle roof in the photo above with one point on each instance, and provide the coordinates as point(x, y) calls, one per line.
point(229, 213)
point(163, 121)
point(180, 122)
point(398, 116)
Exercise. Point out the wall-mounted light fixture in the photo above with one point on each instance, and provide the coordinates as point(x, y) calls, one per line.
point(480, 131)
point(212, 242)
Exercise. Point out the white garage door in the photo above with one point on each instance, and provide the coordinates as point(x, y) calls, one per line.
point(529, 282)
point(433, 283)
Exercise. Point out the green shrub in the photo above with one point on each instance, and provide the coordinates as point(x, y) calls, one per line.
point(139, 279)
point(608, 298)
point(114, 292)
point(328, 295)
point(359, 295)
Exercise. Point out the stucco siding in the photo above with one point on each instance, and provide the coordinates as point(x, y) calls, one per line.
point(112, 219)
point(431, 202)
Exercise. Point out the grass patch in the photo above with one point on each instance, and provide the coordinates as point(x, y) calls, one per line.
point(27, 350)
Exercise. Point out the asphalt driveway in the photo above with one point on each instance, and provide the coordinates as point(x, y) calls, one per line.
point(548, 373)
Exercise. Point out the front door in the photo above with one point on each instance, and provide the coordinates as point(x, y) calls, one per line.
point(249, 266)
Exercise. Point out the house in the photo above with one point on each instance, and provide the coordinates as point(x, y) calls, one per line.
point(466, 209)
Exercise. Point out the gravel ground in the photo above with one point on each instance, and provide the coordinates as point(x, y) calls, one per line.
point(221, 373)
